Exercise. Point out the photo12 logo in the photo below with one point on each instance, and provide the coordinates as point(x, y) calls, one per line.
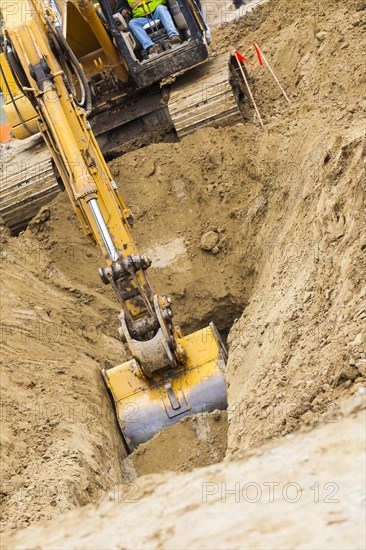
point(60, 493)
point(269, 491)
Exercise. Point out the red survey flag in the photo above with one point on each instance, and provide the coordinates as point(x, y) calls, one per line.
point(258, 53)
point(242, 58)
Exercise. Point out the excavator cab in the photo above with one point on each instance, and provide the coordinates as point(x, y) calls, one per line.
point(189, 20)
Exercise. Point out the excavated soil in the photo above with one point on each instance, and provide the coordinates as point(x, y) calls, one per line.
point(261, 231)
point(298, 493)
point(195, 441)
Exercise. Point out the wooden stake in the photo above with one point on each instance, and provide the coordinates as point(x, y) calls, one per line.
point(249, 91)
point(271, 71)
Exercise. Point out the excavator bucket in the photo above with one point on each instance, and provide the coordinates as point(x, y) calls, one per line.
point(145, 406)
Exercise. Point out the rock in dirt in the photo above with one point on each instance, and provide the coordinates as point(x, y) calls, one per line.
point(348, 372)
point(321, 36)
point(209, 240)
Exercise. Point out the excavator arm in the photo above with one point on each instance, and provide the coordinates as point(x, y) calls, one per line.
point(170, 375)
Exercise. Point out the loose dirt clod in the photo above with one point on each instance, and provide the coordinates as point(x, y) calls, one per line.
point(209, 240)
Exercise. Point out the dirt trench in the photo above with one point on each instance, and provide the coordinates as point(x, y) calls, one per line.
point(260, 231)
point(67, 319)
point(60, 444)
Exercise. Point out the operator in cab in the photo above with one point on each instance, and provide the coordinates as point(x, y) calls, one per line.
point(146, 12)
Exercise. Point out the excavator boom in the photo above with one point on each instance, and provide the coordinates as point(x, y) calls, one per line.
point(169, 375)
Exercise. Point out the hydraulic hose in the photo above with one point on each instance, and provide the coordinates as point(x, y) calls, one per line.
point(86, 100)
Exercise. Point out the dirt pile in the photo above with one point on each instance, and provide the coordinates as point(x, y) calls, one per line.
point(196, 441)
point(269, 222)
point(301, 341)
point(60, 445)
point(300, 493)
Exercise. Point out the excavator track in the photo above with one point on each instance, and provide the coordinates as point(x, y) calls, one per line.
point(206, 96)
point(209, 95)
point(27, 182)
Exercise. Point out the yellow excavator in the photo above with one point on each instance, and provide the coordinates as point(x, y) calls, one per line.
point(64, 69)
point(130, 98)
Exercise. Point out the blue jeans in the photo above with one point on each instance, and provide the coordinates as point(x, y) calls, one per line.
point(137, 25)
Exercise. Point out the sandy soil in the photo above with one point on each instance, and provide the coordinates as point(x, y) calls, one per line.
point(300, 493)
point(195, 441)
point(261, 231)
point(58, 431)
